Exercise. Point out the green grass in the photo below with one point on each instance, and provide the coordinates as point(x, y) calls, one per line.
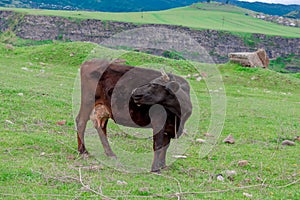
point(199, 16)
point(286, 64)
point(38, 159)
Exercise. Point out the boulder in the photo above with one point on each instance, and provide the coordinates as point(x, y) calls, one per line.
point(251, 59)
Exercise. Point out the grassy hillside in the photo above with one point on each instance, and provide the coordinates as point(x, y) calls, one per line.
point(38, 159)
point(199, 16)
point(138, 5)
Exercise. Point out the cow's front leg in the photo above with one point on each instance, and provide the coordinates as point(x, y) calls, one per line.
point(162, 156)
point(161, 143)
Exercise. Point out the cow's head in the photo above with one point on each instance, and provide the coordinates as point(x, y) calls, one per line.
point(157, 91)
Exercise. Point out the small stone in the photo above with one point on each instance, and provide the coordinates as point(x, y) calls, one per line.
point(42, 154)
point(20, 94)
point(258, 179)
point(25, 68)
point(72, 54)
point(288, 143)
point(220, 177)
point(207, 135)
point(247, 195)
point(200, 140)
point(119, 182)
point(9, 122)
point(243, 163)
point(196, 75)
point(230, 172)
point(60, 123)
point(229, 139)
point(199, 78)
point(179, 156)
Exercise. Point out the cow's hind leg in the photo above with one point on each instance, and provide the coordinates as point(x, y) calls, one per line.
point(100, 118)
point(103, 137)
point(81, 121)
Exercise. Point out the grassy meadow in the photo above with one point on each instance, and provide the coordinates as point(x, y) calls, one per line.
point(39, 160)
point(199, 16)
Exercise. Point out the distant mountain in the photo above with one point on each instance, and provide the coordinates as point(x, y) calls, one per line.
point(270, 9)
point(141, 5)
point(99, 5)
point(293, 15)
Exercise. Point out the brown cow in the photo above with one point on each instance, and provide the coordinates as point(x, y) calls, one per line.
point(135, 97)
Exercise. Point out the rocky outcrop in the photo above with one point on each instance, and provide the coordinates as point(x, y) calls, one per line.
point(251, 59)
point(218, 44)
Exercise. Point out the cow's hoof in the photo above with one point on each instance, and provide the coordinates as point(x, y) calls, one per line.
point(85, 155)
point(114, 157)
point(157, 171)
point(82, 150)
point(164, 167)
point(111, 155)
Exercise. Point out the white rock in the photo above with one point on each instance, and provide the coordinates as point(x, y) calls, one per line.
point(200, 140)
point(20, 94)
point(199, 78)
point(42, 154)
point(25, 68)
point(220, 177)
point(247, 195)
point(230, 172)
point(179, 156)
point(9, 122)
point(119, 182)
point(288, 143)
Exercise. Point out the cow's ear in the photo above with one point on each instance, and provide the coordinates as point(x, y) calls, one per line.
point(173, 86)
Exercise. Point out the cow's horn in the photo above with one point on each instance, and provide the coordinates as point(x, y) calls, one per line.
point(165, 75)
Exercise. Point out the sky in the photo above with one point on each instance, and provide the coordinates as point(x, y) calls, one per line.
point(277, 1)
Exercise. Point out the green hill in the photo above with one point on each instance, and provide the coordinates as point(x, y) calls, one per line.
point(293, 15)
point(39, 158)
point(199, 16)
point(138, 5)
